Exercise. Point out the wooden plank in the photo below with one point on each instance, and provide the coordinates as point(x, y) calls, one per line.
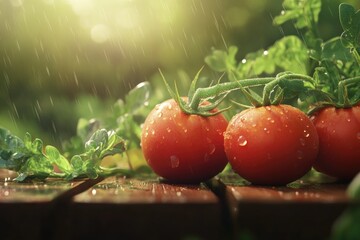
point(26, 207)
point(143, 209)
point(305, 209)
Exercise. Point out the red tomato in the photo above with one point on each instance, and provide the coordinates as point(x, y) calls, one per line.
point(271, 145)
point(183, 148)
point(339, 136)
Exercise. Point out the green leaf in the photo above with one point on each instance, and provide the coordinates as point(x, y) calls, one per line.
point(222, 61)
point(350, 22)
point(97, 141)
point(334, 50)
point(288, 53)
point(346, 13)
point(55, 157)
point(304, 13)
point(137, 97)
point(353, 190)
point(85, 128)
point(116, 145)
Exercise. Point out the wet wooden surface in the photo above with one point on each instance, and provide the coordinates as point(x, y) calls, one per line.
point(25, 207)
point(305, 209)
point(145, 207)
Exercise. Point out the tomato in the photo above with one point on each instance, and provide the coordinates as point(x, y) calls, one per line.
point(183, 148)
point(339, 136)
point(271, 145)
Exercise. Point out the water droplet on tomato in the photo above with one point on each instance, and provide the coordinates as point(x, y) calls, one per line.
point(168, 130)
point(160, 114)
point(349, 120)
point(242, 141)
point(271, 120)
point(174, 161)
point(153, 132)
point(268, 108)
point(152, 121)
point(169, 107)
point(266, 130)
point(302, 142)
point(185, 130)
point(306, 134)
point(253, 125)
point(299, 155)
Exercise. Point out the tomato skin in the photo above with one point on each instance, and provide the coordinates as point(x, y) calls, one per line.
point(339, 136)
point(272, 145)
point(183, 148)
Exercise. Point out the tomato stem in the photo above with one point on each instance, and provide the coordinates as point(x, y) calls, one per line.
point(225, 88)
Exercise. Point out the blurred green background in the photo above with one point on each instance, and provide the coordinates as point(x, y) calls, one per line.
point(65, 59)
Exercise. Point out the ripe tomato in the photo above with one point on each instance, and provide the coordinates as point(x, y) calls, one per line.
point(271, 145)
point(183, 148)
point(339, 136)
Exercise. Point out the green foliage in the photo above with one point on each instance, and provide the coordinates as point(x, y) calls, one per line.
point(333, 65)
point(32, 160)
point(347, 225)
point(304, 14)
point(288, 53)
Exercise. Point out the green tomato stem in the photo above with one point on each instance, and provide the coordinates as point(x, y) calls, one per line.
point(223, 88)
point(356, 55)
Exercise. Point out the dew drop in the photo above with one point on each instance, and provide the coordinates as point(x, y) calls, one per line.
point(160, 114)
point(153, 132)
point(271, 120)
point(93, 192)
point(266, 130)
point(253, 125)
point(349, 120)
point(268, 108)
point(174, 161)
point(306, 134)
point(242, 141)
point(302, 142)
point(168, 130)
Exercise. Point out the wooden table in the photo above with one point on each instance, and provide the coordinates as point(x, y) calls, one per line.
point(145, 207)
